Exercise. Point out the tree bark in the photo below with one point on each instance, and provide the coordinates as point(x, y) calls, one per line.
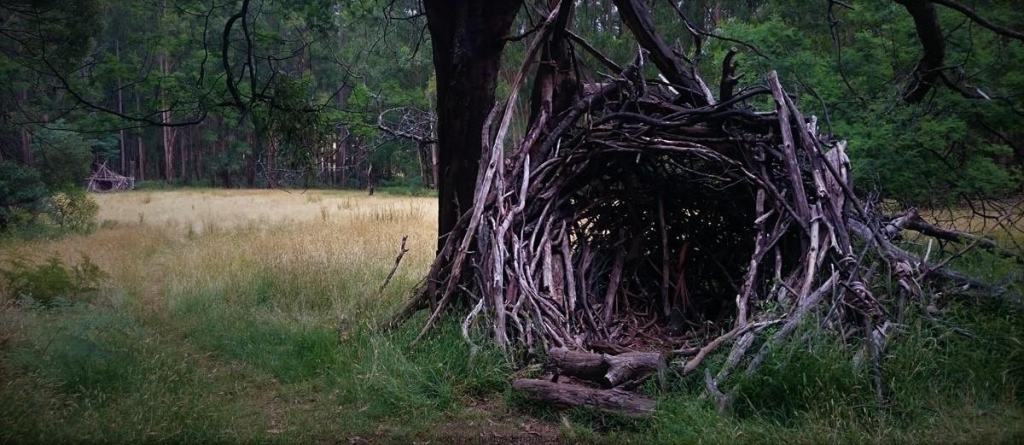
point(467, 40)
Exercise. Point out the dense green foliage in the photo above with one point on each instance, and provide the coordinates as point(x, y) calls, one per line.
point(946, 147)
point(47, 197)
point(310, 79)
point(313, 77)
point(22, 194)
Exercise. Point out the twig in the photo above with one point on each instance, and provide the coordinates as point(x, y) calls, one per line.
point(398, 261)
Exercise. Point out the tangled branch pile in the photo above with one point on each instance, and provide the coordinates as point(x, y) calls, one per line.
point(648, 215)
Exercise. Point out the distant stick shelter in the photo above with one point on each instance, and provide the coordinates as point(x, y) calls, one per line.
point(105, 180)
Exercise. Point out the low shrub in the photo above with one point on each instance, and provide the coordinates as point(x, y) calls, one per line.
point(74, 211)
point(51, 283)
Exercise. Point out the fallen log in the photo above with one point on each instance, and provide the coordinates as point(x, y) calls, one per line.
point(912, 220)
point(565, 394)
point(605, 369)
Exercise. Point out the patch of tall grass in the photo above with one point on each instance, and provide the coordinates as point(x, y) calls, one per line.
point(91, 374)
point(258, 331)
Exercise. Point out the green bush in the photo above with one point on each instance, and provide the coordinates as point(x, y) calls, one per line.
point(74, 211)
point(405, 187)
point(52, 282)
point(936, 152)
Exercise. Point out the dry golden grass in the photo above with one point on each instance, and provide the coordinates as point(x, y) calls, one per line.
point(210, 210)
point(1004, 224)
point(1000, 220)
point(327, 245)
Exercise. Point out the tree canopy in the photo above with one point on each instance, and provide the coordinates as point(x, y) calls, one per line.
point(293, 93)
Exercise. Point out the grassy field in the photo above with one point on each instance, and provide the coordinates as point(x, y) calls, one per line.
point(248, 316)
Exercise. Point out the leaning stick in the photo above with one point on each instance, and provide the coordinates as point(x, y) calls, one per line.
point(398, 261)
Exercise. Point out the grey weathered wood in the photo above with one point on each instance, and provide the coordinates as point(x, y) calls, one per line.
point(612, 400)
point(606, 369)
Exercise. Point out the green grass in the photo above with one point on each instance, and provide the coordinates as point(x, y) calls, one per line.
point(94, 374)
point(227, 373)
point(220, 369)
point(941, 387)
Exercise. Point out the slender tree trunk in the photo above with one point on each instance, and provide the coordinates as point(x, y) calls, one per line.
point(271, 162)
point(168, 132)
point(339, 163)
point(165, 114)
point(467, 40)
point(183, 153)
point(26, 138)
point(26, 146)
point(197, 154)
point(341, 154)
point(433, 165)
point(142, 149)
point(423, 161)
point(254, 153)
point(120, 109)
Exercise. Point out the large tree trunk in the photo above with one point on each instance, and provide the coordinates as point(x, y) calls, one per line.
point(467, 40)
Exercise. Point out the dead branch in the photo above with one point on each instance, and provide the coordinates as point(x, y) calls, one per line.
point(398, 261)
